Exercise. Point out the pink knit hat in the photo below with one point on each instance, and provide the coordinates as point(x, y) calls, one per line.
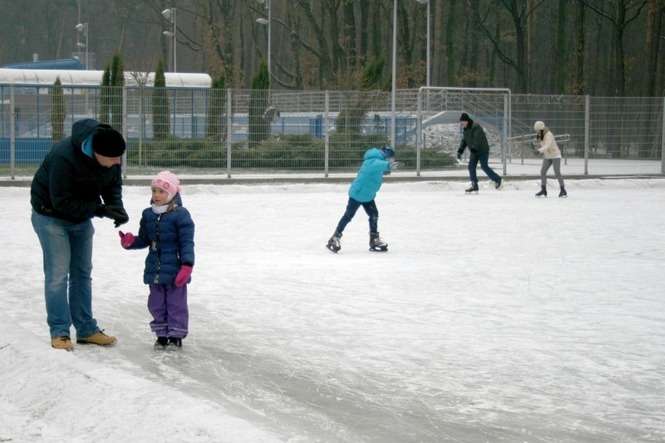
point(168, 182)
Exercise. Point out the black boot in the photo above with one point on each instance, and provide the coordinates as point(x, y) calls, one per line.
point(376, 243)
point(334, 243)
point(175, 341)
point(161, 342)
point(472, 189)
point(563, 192)
point(542, 193)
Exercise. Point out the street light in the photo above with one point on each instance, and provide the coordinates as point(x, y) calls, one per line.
point(82, 28)
point(422, 2)
point(267, 22)
point(169, 15)
point(394, 85)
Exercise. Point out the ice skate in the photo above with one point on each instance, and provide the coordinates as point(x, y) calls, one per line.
point(376, 244)
point(473, 189)
point(563, 193)
point(498, 185)
point(161, 343)
point(334, 243)
point(175, 342)
point(542, 193)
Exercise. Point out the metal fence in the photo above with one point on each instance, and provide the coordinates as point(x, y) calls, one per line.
point(233, 131)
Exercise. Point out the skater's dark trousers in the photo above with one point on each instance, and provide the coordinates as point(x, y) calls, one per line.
point(351, 208)
point(481, 157)
point(547, 162)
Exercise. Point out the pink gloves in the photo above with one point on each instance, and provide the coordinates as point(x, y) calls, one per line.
point(183, 275)
point(126, 240)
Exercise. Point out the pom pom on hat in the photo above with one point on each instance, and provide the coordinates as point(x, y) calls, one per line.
point(538, 126)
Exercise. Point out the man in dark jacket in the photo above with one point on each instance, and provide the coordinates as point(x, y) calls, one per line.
point(80, 178)
point(474, 137)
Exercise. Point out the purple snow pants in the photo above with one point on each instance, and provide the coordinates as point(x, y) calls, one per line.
point(168, 306)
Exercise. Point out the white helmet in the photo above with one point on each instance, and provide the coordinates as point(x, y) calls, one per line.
point(538, 126)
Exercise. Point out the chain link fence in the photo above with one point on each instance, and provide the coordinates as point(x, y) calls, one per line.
point(215, 131)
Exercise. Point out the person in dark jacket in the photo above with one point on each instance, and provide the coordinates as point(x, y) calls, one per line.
point(376, 163)
point(79, 178)
point(474, 138)
point(168, 230)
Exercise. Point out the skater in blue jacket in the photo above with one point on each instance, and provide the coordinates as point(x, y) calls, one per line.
point(376, 163)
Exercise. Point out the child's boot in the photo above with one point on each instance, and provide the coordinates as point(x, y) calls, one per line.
point(376, 243)
point(161, 342)
point(542, 193)
point(175, 341)
point(334, 244)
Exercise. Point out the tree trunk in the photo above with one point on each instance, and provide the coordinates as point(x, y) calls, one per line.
point(521, 47)
point(619, 61)
point(438, 43)
point(653, 38)
point(579, 87)
point(473, 71)
point(492, 61)
point(350, 33)
point(450, 43)
point(529, 58)
point(661, 69)
point(364, 31)
point(560, 61)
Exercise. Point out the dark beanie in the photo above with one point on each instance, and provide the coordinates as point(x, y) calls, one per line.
point(465, 117)
point(107, 141)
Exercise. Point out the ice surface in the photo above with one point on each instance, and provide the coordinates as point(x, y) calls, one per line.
point(494, 317)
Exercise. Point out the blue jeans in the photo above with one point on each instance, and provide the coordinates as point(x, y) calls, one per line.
point(67, 251)
point(476, 157)
point(351, 208)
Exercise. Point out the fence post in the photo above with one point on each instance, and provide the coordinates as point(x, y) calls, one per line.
point(141, 122)
point(662, 142)
point(12, 133)
point(587, 123)
point(326, 136)
point(229, 129)
point(504, 134)
point(419, 132)
point(124, 129)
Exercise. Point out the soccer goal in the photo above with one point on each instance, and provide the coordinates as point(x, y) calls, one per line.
point(439, 109)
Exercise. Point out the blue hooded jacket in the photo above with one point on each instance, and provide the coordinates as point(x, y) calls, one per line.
point(170, 237)
point(370, 176)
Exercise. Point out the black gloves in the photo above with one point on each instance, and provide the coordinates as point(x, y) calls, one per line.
point(115, 212)
point(459, 155)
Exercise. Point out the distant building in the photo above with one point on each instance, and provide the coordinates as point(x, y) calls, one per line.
point(63, 63)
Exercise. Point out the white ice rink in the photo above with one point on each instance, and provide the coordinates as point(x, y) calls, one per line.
point(496, 317)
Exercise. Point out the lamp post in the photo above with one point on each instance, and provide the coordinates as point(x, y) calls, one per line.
point(82, 28)
point(394, 83)
point(422, 2)
point(267, 22)
point(170, 16)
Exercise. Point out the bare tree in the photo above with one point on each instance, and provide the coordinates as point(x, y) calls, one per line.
point(621, 14)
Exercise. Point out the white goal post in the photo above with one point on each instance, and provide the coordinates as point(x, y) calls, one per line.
point(490, 105)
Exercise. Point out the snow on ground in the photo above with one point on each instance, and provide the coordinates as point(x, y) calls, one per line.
point(495, 317)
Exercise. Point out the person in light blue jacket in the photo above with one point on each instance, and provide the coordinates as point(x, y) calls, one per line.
point(376, 163)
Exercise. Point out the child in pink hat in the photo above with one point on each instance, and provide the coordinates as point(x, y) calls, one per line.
point(167, 230)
